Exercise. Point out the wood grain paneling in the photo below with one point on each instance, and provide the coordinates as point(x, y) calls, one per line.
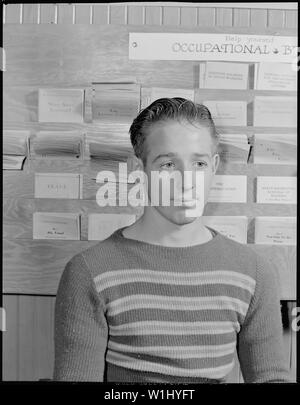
point(171, 16)
point(58, 46)
point(276, 18)
point(117, 14)
point(241, 17)
point(100, 14)
point(10, 345)
point(18, 213)
point(206, 17)
point(83, 13)
point(36, 272)
point(188, 16)
point(291, 19)
point(135, 15)
point(224, 17)
point(258, 18)
point(48, 13)
point(30, 13)
point(153, 15)
point(65, 13)
point(164, 14)
point(28, 344)
point(13, 13)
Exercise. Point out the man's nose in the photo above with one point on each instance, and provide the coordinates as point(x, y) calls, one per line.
point(187, 178)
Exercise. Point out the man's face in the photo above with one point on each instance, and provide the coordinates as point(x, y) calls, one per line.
point(180, 146)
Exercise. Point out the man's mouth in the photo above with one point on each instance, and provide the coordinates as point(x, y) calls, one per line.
point(185, 203)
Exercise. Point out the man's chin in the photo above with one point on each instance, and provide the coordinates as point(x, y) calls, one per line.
point(180, 218)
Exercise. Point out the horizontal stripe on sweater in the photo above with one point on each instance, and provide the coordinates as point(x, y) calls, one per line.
point(191, 362)
point(126, 276)
point(143, 365)
point(173, 328)
point(126, 375)
point(176, 303)
point(175, 291)
point(154, 314)
point(175, 340)
point(177, 352)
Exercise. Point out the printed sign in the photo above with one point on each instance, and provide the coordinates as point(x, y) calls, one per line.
point(231, 47)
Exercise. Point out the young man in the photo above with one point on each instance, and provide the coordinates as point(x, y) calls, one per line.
point(168, 299)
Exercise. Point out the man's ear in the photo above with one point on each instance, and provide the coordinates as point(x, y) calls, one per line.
point(215, 163)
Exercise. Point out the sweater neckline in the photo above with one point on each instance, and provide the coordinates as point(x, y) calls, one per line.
point(118, 234)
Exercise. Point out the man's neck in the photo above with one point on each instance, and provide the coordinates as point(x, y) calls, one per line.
point(153, 228)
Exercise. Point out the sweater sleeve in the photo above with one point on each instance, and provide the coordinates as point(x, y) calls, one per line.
point(80, 328)
point(260, 342)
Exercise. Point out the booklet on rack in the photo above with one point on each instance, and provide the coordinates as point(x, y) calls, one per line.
point(58, 185)
point(61, 105)
point(101, 226)
point(115, 101)
point(56, 144)
point(275, 76)
point(15, 148)
point(228, 113)
point(234, 227)
point(234, 148)
point(275, 231)
point(275, 149)
point(275, 111)
point(11, 162)
point(224, 75)
point(276, 190)
point(56, 225)
point(227, 188)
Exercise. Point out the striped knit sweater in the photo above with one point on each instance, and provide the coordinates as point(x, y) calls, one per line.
point(131, 311)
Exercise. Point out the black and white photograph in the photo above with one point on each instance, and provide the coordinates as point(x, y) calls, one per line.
point(149, 223)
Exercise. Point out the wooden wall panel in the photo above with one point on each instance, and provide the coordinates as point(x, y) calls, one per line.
point(68, 67)
point(206, 17)
point(153, 15)
point(291, 19)
point(95, 13)
point(83, 13)
point(65, 13)
point(18, 213)
point(224, 17)
point(136, 15)
point(276, 18)
point(188, 16)
point(28, 344)
point(258, 18)
point(48, 13)
point(10, 342)
point(100, 14)
point(171, 16)
point(30, 13)
point(13, 14)
point(241, 17)
point(41, 266)
point(117, 14)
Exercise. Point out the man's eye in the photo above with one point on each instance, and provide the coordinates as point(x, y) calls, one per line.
point(167, 165)
point(201, 164)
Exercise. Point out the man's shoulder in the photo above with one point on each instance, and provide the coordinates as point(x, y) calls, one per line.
point(242, 256)
point(103, 255)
